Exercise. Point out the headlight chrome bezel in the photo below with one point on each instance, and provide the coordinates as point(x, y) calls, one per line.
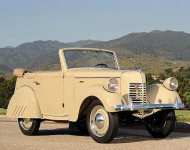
point(113, 85)
point(171, 83)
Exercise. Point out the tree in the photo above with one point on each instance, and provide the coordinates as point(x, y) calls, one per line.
point(7, 87)
point(187, 96)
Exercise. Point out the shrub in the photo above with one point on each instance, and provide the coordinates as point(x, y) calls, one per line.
point(7, 87)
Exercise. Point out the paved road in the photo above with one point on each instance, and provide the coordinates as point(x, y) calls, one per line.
point(58, 137)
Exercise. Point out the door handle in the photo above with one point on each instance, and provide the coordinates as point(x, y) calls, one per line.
point(36, 82)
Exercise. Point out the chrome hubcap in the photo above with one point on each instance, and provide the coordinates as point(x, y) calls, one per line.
point(99, 121)
point(26, 123)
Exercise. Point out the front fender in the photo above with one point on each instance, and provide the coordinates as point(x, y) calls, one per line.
point(24, 104)
point(158, 94)
point(108, 99)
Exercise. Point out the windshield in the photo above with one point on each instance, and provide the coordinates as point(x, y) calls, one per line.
point(90, 59)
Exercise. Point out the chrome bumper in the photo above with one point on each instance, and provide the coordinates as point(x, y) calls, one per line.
point(132, 106)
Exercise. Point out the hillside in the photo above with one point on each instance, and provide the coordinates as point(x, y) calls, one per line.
point(153, 51)
point(35, 55)
point(4, 69)
point(168, 44)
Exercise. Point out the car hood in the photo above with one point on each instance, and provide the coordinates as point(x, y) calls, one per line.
point(101, 73)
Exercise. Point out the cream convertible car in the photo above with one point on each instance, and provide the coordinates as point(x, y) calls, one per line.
point(94, 95)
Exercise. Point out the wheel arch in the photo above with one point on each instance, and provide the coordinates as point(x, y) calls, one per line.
point(87, 102)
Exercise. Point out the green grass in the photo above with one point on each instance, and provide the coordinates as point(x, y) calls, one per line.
point(183, 115)
point(2, 111)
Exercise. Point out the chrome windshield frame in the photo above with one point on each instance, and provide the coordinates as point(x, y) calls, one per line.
point(91, 49)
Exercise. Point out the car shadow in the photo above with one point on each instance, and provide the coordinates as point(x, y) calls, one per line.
point(136, 135)
point(182, 127)
point(138, 132)
point(130, 134)
point(61, 131)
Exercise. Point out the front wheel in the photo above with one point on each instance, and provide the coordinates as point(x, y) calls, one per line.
point(29, 126)
point(161, 124)
point(102, 125)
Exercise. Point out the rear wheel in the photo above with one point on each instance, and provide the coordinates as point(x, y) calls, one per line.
point(102, 125)
point(161, 124)
point(29, 126)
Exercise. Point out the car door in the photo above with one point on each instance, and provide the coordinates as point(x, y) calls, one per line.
point(49, 92)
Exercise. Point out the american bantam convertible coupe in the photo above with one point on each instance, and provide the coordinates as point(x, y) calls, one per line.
point(92, 93)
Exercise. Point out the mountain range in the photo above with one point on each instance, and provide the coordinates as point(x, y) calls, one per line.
point(161, 48)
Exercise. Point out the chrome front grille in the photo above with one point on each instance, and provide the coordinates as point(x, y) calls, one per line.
point(137, 92)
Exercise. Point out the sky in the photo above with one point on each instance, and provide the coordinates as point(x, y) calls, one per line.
point(72, 20)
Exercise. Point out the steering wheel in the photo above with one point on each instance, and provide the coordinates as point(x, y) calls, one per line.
point(102, 65)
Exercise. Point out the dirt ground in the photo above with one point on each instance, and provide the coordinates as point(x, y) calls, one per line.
point(56, 136)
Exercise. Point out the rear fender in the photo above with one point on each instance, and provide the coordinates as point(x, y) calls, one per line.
point(24, 104)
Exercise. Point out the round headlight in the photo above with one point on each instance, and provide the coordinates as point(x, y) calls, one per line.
point(113, 85)
point(171, 83)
